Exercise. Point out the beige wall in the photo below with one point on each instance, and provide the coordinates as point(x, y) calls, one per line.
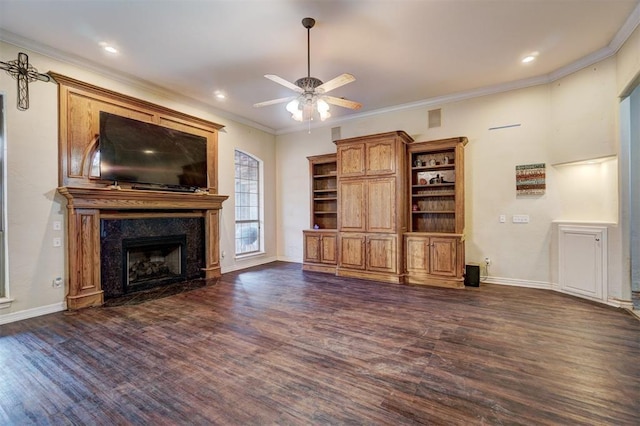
point(571, 119)
point(32, 178)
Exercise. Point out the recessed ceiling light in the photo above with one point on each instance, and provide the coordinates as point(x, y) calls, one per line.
point(530, 57)
point(219, 95)
point(108, 48)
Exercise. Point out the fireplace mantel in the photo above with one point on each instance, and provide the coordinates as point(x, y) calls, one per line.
point(132, 199)
point(86, 206)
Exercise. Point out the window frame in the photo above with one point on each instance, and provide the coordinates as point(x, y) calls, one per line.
point(243, 201)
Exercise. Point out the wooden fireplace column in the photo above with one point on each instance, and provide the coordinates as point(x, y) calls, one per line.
point(86, 206)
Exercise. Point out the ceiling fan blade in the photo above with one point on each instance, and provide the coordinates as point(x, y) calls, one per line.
point(346, 103)
point(284, 82)
point(340, 80)
point(274, 101)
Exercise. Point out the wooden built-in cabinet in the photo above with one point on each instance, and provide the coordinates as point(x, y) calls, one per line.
point(371, 198)
point(389, 209)
point(369, 252)
point(435, 241)
point(320, 250)
point(324, 191)
point(434, 259)
point(320, 247)
point(368, 205)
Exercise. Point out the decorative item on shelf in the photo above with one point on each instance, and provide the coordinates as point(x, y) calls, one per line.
point(432, 162)
point(418, 163)
point(445, 160)
point(432, 178)
point(316, 226)
point(448, 176)
point(414, 207)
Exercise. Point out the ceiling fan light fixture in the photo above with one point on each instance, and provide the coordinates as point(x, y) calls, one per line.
point(294, 108)
point(311, 98)
point(323, 109)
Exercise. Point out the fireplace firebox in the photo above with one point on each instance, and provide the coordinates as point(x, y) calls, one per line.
point(153, 261)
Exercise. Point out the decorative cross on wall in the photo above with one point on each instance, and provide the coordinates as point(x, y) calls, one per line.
point(24, 72)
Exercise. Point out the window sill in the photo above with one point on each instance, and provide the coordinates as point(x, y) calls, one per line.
point(5, 302)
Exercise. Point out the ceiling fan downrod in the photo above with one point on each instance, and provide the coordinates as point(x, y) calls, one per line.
point(308, 23)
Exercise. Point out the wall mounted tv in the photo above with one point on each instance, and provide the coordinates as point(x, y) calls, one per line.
point(137, 152)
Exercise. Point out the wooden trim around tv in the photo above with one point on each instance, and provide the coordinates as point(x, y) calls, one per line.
point(89, 198)
point(80, 104)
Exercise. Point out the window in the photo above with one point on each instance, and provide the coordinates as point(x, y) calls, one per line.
point(248, 232)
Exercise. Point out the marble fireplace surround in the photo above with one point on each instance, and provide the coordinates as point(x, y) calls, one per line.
point(183, 236)
point(87, 207)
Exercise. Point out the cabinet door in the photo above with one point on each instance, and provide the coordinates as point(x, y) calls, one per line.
point(312, 247)
point(328, 249)
point(352, 251)
point(381, 253)
point(443, 257)
point(582, 260)
point(381, 205)
point(352, 206)
point(351, 160)
point(417, 254)
point(381, 157)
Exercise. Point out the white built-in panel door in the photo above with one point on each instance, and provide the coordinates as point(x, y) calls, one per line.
point(582, 262)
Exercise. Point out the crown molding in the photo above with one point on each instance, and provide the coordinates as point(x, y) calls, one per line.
point(611, 49)
point(120, 77)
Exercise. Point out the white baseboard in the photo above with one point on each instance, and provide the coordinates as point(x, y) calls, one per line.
point(618, 303)
point(289, 259)
point(31, 313)
point(517, 283)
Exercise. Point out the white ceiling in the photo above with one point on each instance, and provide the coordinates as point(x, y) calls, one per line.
point(402, 52)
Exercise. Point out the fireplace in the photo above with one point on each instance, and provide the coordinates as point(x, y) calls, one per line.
point(153, 261)
point(143, 253)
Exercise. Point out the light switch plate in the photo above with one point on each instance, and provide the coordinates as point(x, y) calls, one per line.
point(520, 218)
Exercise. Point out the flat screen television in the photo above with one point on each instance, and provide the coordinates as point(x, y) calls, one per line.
point(136, 152)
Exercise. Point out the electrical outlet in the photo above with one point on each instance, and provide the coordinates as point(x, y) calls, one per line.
point(487, 261)
point(57, 282)
point(57, 225)
point(502, 218)
point(57, 242)
point(222, 254)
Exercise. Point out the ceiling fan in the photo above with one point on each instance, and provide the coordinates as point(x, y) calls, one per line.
point(311, 92)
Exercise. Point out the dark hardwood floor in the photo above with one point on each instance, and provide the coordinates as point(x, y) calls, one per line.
point(275, 345)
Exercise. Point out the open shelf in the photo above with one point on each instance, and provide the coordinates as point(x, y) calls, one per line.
point(435, 187)
point(324, 200)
